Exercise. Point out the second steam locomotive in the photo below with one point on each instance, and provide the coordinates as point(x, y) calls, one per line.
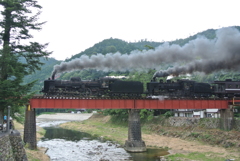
point(112, 87)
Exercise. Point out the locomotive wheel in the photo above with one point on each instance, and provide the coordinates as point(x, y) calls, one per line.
point(87, 92)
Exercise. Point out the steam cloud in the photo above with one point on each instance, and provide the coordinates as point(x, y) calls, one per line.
point(201, 54)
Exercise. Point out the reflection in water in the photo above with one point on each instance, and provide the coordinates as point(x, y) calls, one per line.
point(152, 154)
point(66, 144)
point(60, 133)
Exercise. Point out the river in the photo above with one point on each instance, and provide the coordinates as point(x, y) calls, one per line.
point(70, 145)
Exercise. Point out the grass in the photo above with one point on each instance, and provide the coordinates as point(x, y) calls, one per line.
point(196, 156)
point(49, 113)
point(100, 128)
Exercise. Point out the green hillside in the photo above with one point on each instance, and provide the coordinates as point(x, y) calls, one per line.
point(116, 45)
point(42, 74)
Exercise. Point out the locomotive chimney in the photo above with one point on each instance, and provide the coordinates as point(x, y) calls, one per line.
point(53, 75)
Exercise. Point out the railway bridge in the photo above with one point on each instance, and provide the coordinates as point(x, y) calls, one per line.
point(134, 143)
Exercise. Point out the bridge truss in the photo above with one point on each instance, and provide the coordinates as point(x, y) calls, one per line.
point(98, 103)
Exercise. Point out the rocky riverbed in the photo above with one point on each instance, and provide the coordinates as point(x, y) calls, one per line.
point(84, 149)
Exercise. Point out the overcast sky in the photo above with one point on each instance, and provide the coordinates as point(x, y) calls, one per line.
point(75, 25)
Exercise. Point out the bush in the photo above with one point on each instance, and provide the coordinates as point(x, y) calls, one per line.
point(168, 114)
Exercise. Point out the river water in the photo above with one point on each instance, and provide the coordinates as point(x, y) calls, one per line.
point(70, 145)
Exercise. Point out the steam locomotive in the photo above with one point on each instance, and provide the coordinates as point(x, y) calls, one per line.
point(107, 87)
point(188, 88)
point(112, 87)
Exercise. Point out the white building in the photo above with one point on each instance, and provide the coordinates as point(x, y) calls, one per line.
point(214, 113)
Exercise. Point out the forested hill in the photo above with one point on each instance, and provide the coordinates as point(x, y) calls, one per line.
point(113, 45)
point(210, 34)
point(107, 46)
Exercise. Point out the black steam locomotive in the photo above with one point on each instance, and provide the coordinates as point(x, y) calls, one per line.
point(112, 87)
point(107, 87)
point(180, 88)
point(188, 88)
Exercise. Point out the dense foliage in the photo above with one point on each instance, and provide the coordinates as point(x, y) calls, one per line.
point(107, 46)
point(17, 57)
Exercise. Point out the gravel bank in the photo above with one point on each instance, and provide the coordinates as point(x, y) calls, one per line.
point(46, 120)
point(64, 117)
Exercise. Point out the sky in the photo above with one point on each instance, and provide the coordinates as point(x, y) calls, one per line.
point(75, 25)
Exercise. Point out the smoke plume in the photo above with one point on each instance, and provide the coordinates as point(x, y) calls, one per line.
point(199, 55)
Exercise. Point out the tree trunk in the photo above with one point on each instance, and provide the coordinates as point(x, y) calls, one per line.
point(1, 115)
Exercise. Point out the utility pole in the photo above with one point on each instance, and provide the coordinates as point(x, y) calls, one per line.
point(8, 119)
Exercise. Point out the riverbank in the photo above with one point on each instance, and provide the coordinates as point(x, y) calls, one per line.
point(181, 143)
point(179, 147)
point(33, 155)
point(48, 119)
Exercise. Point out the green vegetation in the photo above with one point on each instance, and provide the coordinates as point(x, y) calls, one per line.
point(42, 74)
point(168, 114)
point(50, 113)
point(202, 132)
point(107, 46)
point(99, 128)
point(197, 156)
point(20, 116)
point(18, 58)
point(120, 116)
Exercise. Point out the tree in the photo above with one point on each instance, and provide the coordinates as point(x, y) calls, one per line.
point(19, 56)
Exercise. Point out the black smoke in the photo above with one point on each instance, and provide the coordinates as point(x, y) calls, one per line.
point(199, 55)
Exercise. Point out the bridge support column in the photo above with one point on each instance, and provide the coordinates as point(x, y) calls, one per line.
point(227, 118)
point(30, 128)
point(134, 142)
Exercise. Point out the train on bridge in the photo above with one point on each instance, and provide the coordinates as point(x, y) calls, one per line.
point(117, 88)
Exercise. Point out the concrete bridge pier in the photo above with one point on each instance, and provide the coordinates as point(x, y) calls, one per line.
point(227, 118)
point(30, 128)
point(134, 142)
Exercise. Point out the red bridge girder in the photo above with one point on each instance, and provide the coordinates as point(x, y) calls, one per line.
point(76, 103)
